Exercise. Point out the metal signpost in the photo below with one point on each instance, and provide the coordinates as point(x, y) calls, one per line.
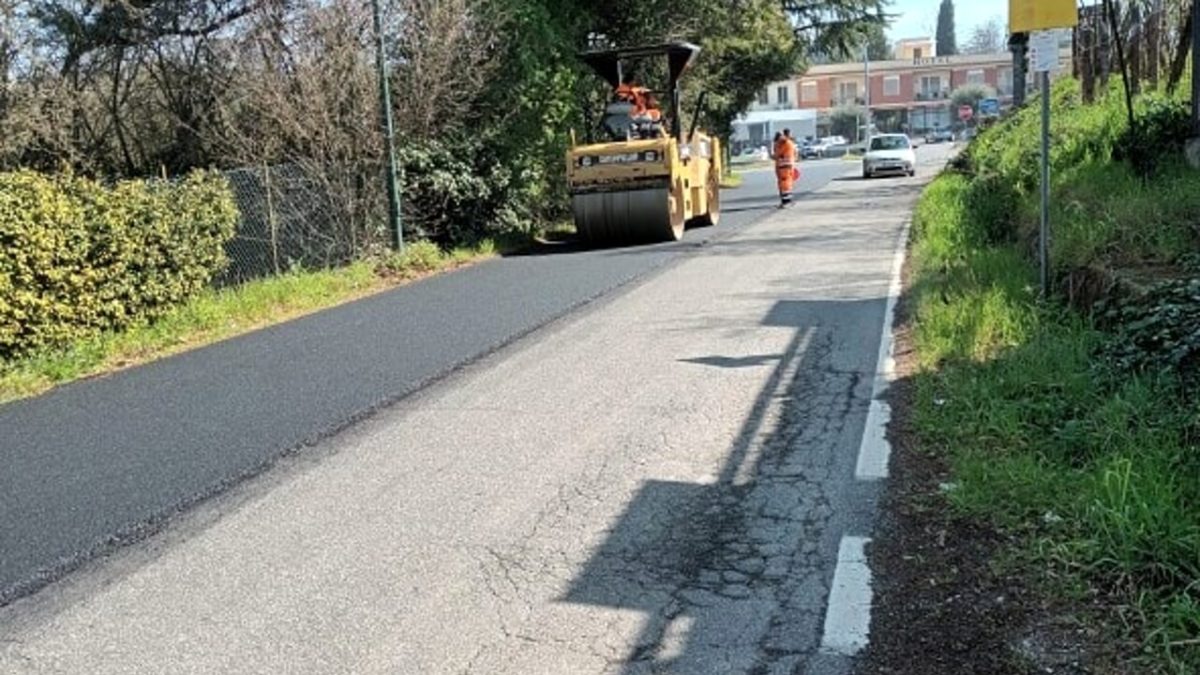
point(1040, 18)
point(391, 181)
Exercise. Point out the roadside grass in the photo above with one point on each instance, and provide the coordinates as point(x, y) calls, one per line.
point(1097, 470)
point(1103, 210)
point(218, 314)
point(1103, 213)
point(732, 180)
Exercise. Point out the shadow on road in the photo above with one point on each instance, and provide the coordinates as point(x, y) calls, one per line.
point(732, 576)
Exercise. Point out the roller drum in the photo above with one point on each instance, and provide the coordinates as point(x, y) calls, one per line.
point(626, 216)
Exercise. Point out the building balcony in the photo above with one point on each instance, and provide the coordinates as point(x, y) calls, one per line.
point(931, 95)
point(771, 107)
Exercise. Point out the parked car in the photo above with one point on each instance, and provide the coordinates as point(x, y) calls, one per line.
point(889, 153)
point(940, 136)
point(808, 150)
point(824, 145)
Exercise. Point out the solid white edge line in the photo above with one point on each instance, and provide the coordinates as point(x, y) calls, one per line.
point(875, 452)
point(848, 615)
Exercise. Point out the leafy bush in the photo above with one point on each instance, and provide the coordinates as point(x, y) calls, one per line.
point(1158, 332)
point(1161, 127)
point(457, 192)
point(989, 203)
point(78, 258)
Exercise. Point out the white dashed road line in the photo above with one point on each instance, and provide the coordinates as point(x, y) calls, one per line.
point(875, 451)
point(848, 619)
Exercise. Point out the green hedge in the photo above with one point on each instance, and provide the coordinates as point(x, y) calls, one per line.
point(78, 258)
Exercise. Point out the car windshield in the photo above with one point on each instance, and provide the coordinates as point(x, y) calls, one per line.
point(889, 143)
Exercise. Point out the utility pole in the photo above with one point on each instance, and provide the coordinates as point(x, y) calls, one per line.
point(392, 183)
point(1019, 44)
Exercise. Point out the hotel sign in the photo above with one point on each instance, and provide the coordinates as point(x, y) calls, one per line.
point(932, 61)
point(1025, 16)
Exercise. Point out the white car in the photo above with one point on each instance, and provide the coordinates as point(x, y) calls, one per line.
point(889, 153)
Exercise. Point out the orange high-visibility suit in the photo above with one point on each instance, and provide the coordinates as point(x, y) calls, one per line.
point(785, 168)
point(644, 105)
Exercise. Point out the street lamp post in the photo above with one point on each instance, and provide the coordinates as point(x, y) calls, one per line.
point(867, 80)
point(385, 106)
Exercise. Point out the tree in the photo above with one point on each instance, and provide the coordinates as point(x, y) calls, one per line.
point(879, 48)
point(986, 38)
point(845, 121)
point(947, 43)
point(971, 94)
point(834, 27)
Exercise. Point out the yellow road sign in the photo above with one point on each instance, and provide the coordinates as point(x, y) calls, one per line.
point(1030, 15)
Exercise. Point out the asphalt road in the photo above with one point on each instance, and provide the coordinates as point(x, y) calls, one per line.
point(99, 463)
point(655, 483)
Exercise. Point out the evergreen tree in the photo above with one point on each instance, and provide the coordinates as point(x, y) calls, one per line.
point(947, 43)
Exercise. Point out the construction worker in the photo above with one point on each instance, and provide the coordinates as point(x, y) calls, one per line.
point(645, 107)
point(785, 166)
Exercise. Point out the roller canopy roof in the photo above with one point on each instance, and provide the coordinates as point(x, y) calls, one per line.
point(680, 56)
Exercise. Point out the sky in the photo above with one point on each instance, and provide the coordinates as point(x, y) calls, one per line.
point(917, 18)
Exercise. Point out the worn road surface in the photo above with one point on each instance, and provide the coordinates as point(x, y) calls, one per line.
point(656, 482)
point(101, 462)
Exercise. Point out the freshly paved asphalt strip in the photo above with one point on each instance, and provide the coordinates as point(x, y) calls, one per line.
point(658, 482)
point(101, 462)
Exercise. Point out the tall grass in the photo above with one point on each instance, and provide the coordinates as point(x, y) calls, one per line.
point(1103, 212)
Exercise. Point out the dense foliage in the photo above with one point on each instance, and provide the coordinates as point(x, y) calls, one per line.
point(78, 258)
point(1157, 332)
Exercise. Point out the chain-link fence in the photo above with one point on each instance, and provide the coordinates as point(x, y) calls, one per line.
point(303, 215)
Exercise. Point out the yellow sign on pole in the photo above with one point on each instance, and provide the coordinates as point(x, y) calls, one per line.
point(1025, 16)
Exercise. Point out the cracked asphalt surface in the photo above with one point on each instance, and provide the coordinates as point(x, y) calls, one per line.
point(654, 483)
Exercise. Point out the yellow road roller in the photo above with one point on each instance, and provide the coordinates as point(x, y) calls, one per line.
point(644, 179)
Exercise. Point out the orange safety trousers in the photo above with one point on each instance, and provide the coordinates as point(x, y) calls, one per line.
point(785, 176)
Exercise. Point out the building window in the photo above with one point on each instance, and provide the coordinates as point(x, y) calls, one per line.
point(847, 92)
point(764, 97)
point(781, 95)
point(808, 92)
point(1004, 81)
point(891, 85)
point(918, 54)
point(931, 85)
point(975, 77)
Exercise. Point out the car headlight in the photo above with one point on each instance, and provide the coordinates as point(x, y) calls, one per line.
point(585, 161)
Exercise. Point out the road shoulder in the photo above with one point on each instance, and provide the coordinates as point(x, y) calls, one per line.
point(946, 600)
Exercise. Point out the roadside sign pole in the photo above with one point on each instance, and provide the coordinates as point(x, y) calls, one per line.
point(1039, 19)
point(1044, 235)
point(391, 181)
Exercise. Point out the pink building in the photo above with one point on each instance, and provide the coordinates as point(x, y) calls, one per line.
point(912, 95)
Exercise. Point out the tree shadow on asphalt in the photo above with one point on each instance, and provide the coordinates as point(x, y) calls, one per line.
point(733, 576)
